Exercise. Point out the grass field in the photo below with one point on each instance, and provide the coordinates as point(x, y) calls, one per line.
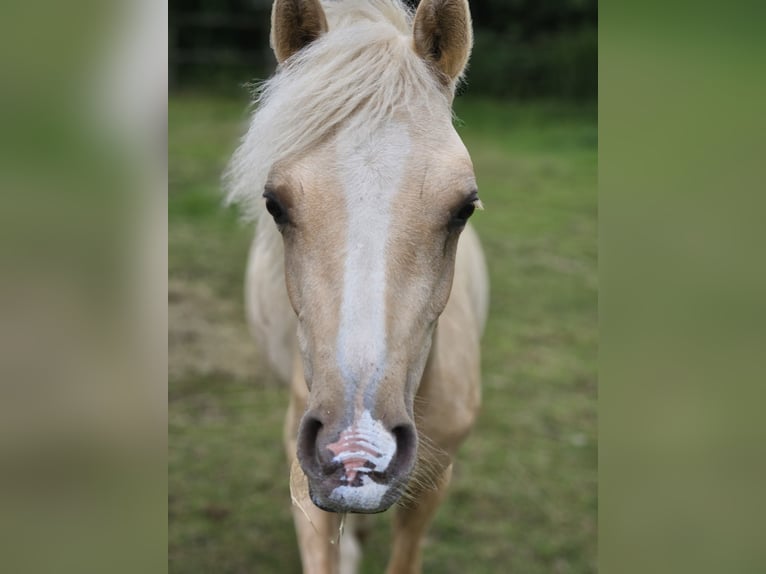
point(523, 499)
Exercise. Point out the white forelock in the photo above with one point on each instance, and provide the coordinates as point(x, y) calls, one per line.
point(360, 73)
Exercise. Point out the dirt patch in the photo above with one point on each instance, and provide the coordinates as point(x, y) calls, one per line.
point(207, 335)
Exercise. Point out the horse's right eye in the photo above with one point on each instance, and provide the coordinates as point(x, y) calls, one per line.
point(275, 209)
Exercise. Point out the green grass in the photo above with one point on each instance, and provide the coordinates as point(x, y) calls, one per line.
point(524, 494)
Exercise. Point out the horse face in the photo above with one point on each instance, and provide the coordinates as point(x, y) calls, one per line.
point(370, 223)
point(370, 201)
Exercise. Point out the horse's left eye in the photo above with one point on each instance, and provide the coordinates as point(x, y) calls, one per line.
point(465, 212)
point(460, 218)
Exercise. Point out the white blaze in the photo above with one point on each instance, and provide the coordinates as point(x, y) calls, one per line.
point(371, 169)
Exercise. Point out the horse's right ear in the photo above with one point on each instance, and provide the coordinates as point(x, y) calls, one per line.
point(295, 24)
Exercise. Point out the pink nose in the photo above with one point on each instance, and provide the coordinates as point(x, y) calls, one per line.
point(364, 447)
point(361, 468)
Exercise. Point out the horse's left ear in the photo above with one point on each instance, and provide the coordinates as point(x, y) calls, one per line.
point(443, 34)
point(295, 24)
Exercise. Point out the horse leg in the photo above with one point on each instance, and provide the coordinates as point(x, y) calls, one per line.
point(351, 544)
point(317, 531)
point(410, 526)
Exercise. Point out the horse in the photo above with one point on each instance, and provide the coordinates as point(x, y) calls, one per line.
point(366, 287)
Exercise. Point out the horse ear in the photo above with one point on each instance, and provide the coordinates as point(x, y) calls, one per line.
point(443, 34)
point(295, 24)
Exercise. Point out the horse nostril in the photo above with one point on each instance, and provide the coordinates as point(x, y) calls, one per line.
point(406, 449)
point(307, 444)
point(361, 455)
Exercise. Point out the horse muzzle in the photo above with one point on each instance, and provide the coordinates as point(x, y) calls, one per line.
point(359, 467)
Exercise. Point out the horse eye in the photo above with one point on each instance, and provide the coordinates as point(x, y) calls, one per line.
point(275, 210)
point(461, 217)
point(465, 212)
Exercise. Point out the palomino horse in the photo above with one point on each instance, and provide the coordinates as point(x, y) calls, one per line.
point(352, 153)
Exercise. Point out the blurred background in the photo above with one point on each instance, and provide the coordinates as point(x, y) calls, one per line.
point(523, 498)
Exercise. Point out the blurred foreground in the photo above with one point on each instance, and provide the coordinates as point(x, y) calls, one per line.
point(83, 260)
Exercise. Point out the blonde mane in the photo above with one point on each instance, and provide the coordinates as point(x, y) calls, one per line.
point(361, 72)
